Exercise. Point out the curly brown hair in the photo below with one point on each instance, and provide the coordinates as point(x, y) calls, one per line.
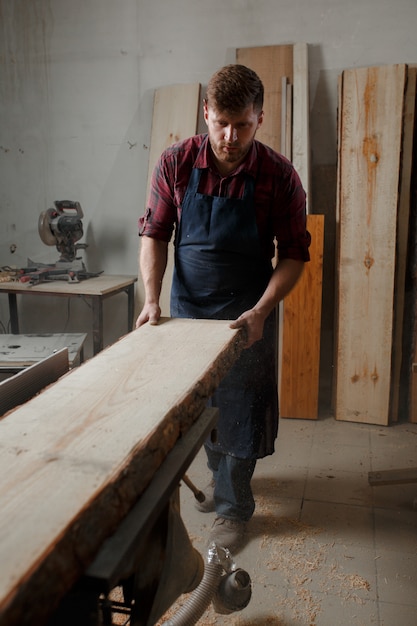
point(233, 88)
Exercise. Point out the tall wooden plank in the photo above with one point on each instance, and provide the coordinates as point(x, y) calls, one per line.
point(175, 116)
point(77, 457)
point(284, 72)
point(271, 63)
point(175, 112)
point(402, 238)
point(368, 173)
point(301, 115)
point(410, 337)
point(300, 369)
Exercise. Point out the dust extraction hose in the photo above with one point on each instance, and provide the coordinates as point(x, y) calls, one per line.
point(200, 598)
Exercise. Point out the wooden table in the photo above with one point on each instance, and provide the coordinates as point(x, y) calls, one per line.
point(96, 289)
point(20, 351)
point(77, 457)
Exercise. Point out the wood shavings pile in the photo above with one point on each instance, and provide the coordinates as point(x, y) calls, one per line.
point(7, 277)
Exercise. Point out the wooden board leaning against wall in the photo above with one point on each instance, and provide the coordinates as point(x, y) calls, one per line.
point(371, 242)
point(285, 129)
point(284, 69)
point(175, 116)
point(408, 399)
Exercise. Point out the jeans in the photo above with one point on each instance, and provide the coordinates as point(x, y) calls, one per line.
point(233, 498)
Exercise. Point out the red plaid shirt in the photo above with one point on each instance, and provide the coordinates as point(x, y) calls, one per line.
point(279, 196)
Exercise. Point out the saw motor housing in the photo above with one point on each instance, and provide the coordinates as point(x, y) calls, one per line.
point(62, 227)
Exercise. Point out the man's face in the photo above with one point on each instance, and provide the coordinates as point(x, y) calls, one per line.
point(231, 135)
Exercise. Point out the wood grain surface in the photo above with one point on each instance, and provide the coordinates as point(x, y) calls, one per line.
point(301, 319)
point(76, 458)
point(370, 135)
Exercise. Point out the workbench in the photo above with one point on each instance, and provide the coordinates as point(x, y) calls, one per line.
point(78, 457)
point(95, 289)
point(20, 351)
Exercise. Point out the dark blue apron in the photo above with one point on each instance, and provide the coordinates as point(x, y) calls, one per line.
point(219, 273)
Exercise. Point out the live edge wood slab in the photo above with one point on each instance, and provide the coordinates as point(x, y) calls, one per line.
point(74, 459)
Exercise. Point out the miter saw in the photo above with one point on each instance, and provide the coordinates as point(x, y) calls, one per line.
point(61, 227)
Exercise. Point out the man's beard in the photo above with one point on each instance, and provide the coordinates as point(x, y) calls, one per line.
point(229, 157)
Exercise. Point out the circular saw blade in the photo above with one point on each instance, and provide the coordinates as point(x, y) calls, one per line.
point(44, 227)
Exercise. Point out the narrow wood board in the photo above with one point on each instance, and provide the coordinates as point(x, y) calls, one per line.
point(75, 458)
point(301, 321)
point(175, 117)
point(271, 63)
point(412, 259)
point(393, 477)
point(407, 150)
point(284, 73)
point(412, 417)
point(301, 116)
point(368, 175)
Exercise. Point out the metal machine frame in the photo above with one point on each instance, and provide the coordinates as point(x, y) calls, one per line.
point(89, 603)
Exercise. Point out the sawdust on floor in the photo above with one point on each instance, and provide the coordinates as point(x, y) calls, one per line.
point(301, 554)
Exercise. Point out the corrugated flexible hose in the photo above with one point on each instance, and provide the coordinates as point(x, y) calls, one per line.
point(200, 598)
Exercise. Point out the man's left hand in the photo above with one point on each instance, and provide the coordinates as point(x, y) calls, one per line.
point(253, 322)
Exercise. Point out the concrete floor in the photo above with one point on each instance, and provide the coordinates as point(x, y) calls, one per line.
point(324, 547)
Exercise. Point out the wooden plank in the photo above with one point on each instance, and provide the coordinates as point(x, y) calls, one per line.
point(403, 219)
point(270, 63)
point(77, 457)
point(299, 380)
point(284, 72)
point(22, 386)
point(102, 285)
point(412, 257)
point(337, 239)
point(393, 477)
point(368, 175)
point(289, 123)
point(109, 567)
point(175, 112)
point(284, 116)
point(413, 394)
point(175, 117)
point(301, 117)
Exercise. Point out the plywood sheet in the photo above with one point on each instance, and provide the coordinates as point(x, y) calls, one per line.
point(301, 320)
point(75, 458)
point(370, 116)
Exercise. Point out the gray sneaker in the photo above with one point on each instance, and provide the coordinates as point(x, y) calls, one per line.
point(227, 533)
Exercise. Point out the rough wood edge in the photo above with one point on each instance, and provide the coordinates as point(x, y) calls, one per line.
point(39, 593)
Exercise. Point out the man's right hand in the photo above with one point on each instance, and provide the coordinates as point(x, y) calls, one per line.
point(150, 313)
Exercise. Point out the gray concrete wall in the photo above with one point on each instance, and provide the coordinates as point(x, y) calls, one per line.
point(76, 89)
